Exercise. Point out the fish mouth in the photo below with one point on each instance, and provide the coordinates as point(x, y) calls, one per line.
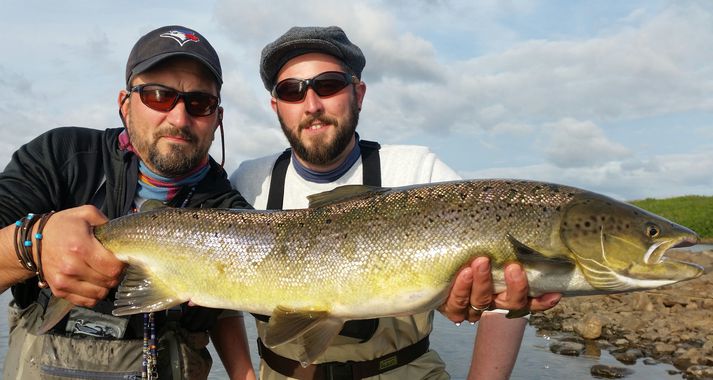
point(656, 252)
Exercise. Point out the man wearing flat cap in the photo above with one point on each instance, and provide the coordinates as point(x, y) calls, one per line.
point(314, 77)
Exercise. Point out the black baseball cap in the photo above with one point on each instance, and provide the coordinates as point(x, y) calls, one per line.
point(171, 41)
point(301, 40)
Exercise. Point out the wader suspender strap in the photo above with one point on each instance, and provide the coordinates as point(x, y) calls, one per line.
point(371, 172)
point(277, 181)
point(371, 175)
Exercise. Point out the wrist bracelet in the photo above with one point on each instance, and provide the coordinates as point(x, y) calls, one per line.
point(38, 242)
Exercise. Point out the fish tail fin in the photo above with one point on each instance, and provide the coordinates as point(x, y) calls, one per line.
point(140, 292)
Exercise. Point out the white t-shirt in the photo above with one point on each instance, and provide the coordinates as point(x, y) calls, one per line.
point(401, 165)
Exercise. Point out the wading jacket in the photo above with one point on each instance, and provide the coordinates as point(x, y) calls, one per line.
point(71, 166)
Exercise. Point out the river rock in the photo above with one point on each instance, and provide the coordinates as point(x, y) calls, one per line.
point(567, 348)
point(629, 356)
point(609, 372)
point(642, 302)
point(664, 348)
point(699, 372)
point(590, 327)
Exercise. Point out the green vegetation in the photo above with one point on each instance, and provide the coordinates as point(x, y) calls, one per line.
point(692, 211)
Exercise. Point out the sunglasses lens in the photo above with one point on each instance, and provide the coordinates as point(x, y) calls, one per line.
point(164, 99)
point(329, 83)
point(325, 84)
point(158, 98)
point(290, 90)
point(200, 104)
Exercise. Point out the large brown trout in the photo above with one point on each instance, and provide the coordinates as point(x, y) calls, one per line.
point(361, 252)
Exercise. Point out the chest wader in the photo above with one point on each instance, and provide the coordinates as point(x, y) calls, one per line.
point(362, 330)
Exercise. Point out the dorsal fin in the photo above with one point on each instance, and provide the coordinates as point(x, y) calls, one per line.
point(344, 193)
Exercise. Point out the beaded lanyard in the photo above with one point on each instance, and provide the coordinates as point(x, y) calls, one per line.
point(150, 356)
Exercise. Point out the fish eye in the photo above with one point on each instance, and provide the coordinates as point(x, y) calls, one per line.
point(652, 230)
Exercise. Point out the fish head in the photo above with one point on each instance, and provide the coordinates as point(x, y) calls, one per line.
point(620, 247)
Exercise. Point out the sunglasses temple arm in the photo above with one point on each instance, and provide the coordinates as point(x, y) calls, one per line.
point(222, 143)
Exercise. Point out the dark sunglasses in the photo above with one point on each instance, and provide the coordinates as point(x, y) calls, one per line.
point(162, 98)
point(325, 84)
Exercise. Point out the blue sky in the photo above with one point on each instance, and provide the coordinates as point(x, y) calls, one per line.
point(611, 96)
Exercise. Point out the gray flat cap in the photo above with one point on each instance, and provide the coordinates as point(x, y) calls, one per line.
point(308, 39)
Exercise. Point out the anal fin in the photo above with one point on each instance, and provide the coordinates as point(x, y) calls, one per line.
point(313, 330)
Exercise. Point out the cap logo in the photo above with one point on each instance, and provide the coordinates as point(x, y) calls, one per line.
point(181, 36)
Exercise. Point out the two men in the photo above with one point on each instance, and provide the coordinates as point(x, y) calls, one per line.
point(314, 77)
point(171, 110)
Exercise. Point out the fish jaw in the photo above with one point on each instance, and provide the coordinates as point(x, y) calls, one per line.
point(666, 271)
point(654, 269)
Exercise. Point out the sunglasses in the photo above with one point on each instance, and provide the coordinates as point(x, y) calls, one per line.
point(325, 84)
point(162, 98)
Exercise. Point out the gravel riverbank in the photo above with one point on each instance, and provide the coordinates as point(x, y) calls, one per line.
point(672, 324)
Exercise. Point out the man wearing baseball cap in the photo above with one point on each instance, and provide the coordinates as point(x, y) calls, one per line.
point(314, 77)
point(170, 108)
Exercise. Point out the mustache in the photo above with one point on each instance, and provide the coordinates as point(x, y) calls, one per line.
point(182, 133)
point(324, 119)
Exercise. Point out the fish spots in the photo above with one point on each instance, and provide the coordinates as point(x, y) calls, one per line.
point(328, 221)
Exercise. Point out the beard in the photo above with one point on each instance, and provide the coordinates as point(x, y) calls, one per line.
point(178, 160)
point(323, 152)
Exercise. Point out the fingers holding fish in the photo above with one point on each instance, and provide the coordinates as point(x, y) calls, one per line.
point(481, 296)
point(75, 265)
point(545, 302)
point(515, 295)
point(456, 306)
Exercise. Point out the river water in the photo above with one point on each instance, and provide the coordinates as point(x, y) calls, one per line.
point(454, 344)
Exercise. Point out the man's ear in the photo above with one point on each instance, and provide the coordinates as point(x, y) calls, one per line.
point(122, 100)
point(360, 92)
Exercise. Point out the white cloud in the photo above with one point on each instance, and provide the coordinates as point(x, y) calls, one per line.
point(660, 176)
point(570, 143)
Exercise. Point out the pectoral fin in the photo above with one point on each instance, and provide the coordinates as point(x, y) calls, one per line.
point(539, 259)
point(313, 330)
point(140, 292)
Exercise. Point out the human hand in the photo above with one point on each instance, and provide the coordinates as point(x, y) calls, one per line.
point(474, 286)
point(76, 266)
